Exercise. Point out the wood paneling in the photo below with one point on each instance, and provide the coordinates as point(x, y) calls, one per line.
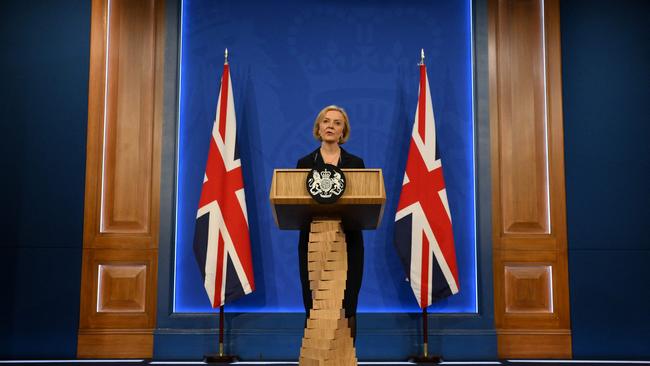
point(528, 288)
point(121, 218)
point(123, 144)
point(531, 343)
point(522, 118)
point(111, 304)
point(362, 186)
point(114, 344)
point(529, 220)
point(128, 125)
point(121, 287)
point(361, 206)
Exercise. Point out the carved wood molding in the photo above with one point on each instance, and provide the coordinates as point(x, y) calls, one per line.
point(121, 213)
point(531, 291)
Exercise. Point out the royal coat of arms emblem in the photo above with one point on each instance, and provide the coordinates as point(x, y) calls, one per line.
point(326, 183)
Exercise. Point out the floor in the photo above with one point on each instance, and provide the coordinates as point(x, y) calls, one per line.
point(139, 362)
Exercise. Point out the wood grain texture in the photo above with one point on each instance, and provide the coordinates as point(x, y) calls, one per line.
point(127, 293)
point(360, 207)
point(121, 209)
point(531, 291)
point(327, 339)
point(535, 345)
point(362, 186)
point(528, 288)
point(522, 118)
point(124, 126)
point(121, 287)
point(115, 343)
point(128, 125)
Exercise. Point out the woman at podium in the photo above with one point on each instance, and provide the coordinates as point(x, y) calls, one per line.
point(332, 129)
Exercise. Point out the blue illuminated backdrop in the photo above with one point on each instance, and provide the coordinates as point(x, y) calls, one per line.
point(288, 60)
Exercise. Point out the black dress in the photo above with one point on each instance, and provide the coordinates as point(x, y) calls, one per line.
point(353, 239)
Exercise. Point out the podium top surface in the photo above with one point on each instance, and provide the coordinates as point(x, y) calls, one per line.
point(360, 207)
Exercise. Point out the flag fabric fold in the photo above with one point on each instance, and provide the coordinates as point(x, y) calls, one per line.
point(221, 237)
point(423, 233)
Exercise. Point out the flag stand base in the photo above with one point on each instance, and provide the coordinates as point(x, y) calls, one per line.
point(425, 359)
point(217, 358)
point(221, 357)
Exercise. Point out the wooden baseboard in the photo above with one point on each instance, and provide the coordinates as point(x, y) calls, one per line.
point(115, 343)
point(534, 344)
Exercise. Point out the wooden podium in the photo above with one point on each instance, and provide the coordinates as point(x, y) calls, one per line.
point(327, 339)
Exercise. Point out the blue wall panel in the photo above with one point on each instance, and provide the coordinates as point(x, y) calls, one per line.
point(43, 109)
point(362, 55)
point(40, 307)
point(609, 303)
point(277, 336)
point(605, 58)
point(289, 60)
point(606, 76)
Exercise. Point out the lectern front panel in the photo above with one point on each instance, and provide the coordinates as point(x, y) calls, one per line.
point(360, 207)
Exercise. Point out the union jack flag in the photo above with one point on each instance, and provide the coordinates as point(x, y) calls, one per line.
point(423, 234)
point(221, 238)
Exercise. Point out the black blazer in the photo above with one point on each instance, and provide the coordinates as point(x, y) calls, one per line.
point(353, 239)
point(347, 160)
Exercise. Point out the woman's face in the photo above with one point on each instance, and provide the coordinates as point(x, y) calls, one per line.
point(330, 128)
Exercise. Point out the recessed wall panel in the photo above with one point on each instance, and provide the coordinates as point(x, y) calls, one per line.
point(531, 294)
point(128, 128)
point(118, 289)
point(121, 218)
point(121, 288)
point(523, 152)
point(528, 288)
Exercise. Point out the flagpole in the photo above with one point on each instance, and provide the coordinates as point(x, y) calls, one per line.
point(425, 358)
point(221, 331)
point(221, 316)
point(425, 332)
point(221, 357)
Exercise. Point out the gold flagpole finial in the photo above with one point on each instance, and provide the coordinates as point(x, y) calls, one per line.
point(422, 56)
point(226, 57)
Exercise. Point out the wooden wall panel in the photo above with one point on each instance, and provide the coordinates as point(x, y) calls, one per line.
point(523, 163)
point(121, 218)
point(528, 288)
point(127, 168)
point(115, 302)
point(122, 287)
point(529, 219)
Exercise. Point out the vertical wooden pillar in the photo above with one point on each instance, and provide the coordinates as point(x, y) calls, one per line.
point(121, 218)
point(529, 215)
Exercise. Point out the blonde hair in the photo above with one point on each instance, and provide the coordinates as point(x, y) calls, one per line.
point(321, 116)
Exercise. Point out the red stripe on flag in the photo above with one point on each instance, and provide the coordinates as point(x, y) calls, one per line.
point(219, 268)
point(423, 187)
point(220, 183)
point(424, 283)
point(223, 183)
point(223, 112)
point(422, 103)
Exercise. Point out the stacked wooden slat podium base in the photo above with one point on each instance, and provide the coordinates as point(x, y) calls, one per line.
point(327, 339)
